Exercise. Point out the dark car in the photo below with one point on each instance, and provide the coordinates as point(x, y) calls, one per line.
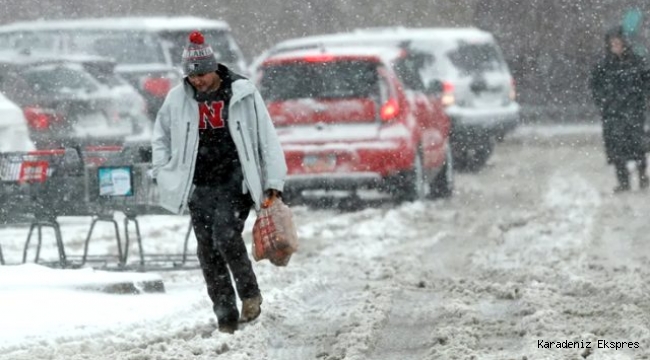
point(64, 105)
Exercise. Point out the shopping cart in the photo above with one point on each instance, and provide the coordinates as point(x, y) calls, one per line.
point(127, 188)
point(43, 184)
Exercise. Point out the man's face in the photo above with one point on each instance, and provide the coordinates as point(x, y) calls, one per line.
point(204, 82)
point(616, 46)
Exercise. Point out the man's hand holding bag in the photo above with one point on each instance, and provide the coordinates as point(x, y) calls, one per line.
point(274, 233)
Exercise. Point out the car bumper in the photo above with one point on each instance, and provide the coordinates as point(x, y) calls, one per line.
point(494, 120)
point(345, 166)
point(333, 181)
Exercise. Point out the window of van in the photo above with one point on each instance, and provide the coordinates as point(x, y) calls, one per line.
point(473, 58)
point(124, 47)
point(39, 41)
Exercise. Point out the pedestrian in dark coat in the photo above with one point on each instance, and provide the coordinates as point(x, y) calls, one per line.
point(619, 88)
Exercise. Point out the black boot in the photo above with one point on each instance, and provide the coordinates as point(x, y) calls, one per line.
point(623, 176)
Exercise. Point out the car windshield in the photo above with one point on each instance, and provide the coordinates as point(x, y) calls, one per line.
point(39, 41)
point(217, 39)
point(124, 47)
point(58, 79)
point(473, 58)
point(320, 80)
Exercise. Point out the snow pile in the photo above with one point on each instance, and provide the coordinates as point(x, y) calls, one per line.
point(31, 276)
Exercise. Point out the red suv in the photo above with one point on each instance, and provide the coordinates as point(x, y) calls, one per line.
point(346, 122)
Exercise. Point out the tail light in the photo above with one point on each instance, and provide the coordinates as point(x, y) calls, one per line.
point(513, 90)
point(389, 110)
point(158, 87)
point(319, 58)
point(41, 119)
point(448, 98)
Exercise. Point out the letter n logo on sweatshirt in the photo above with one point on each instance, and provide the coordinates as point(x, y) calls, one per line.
point(210, 115)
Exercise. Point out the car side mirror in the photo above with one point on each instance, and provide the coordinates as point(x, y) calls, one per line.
point(435, 87)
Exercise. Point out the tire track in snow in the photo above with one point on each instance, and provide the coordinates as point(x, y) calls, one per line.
point(457, 315)
point(336, 313)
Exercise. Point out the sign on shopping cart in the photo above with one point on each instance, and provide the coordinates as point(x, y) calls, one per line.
point(115, 181)
point(16, 168)
point(33, 171)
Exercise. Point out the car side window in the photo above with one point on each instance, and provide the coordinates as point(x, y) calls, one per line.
point(386, 86)
point(408, 68)
point(14, 87)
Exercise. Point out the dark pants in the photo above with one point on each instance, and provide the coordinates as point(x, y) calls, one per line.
point(623, 174)
point(218, 217)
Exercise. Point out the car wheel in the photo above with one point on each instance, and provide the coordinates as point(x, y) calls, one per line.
point(292, 197)
point(472, 158)
point(414, 186)
point(442, 185)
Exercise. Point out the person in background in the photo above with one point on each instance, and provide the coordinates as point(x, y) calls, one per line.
point(215, 150)
point(619, 89)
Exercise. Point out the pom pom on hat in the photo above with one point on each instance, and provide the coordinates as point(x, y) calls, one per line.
point(197, 38)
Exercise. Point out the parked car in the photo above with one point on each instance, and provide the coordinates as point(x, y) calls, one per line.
point(147, 50)
point(130, 104)
point(14, 135)
point(63, 104)
point(462, 67)
point(346, 122)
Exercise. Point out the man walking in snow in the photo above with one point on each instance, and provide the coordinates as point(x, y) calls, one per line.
point(215, 150)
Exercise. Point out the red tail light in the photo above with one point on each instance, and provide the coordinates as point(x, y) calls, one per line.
point(448, 97)
point(513, 90)
point(41, 119)
point(389, 110)
point(158, 87)
point(319, 58)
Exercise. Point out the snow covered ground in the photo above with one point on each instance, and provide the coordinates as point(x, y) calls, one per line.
point(533, 248)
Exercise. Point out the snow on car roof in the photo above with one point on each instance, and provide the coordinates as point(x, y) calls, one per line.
point(17, 57)
point(36, 55)
point(390, 35)
point(157, 23)
point(381, 53)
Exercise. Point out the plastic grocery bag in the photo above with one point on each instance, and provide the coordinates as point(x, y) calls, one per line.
point(274, 233)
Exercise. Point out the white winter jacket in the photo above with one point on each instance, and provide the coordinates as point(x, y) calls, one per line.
point(176, 139)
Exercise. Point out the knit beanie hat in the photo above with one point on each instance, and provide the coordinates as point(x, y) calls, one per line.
point(198, 57)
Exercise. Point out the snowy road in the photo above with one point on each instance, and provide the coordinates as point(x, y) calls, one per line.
point(531, 249)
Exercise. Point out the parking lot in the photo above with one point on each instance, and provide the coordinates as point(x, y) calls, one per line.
point(534, 247)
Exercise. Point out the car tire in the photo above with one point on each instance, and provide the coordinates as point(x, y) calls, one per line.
point(292, 197)
point(413, 184)
point(442, 185)
point(472, 158)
